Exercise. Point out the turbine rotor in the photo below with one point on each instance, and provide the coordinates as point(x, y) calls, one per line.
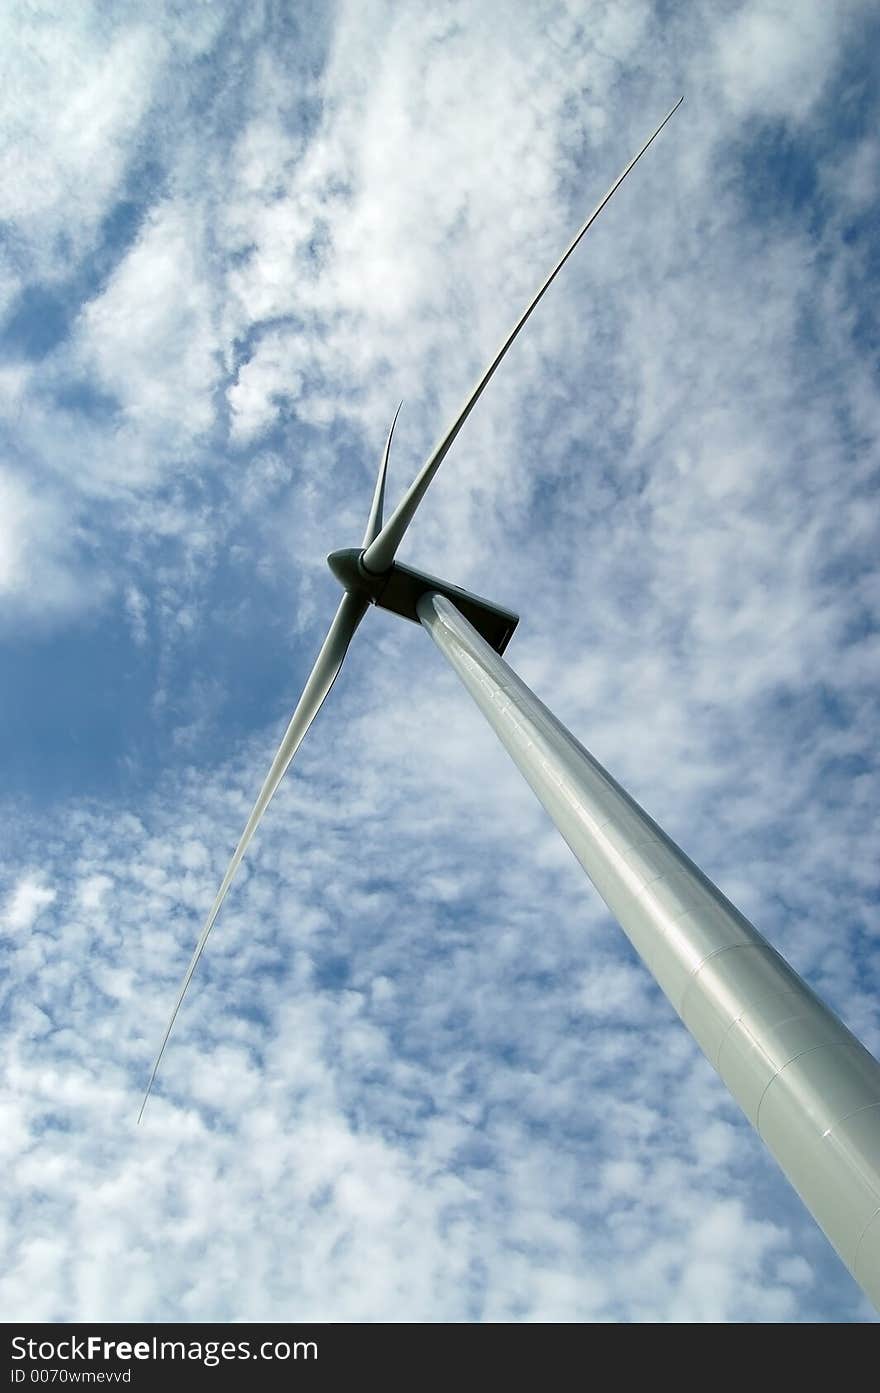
point(372, 576)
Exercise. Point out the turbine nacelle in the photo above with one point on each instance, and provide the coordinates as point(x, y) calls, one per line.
point(400, 588)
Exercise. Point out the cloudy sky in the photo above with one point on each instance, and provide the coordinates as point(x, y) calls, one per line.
point(420, 1074)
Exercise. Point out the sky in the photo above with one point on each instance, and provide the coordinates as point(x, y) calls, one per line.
point(420, 1075)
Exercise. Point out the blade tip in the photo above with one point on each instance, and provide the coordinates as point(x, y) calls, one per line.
point(144, 1104)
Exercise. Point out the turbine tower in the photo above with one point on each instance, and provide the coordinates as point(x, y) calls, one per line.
point(807, 1085)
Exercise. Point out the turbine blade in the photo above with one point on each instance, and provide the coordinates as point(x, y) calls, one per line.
point(349, 614)
point(374, 525)
point(379, 555)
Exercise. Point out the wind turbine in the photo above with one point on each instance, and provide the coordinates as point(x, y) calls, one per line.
point(805, 1082)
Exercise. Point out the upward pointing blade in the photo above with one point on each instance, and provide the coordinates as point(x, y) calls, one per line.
point(374, 522)
point(349, 614)
point(380, 553)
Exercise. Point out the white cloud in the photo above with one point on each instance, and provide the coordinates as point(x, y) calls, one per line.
point(137, 607)
point(775, 59)
point(74, 95)
point(26, 903)
point(149, 336)
point(79, 84)
point(272, 374)
point(38, 562)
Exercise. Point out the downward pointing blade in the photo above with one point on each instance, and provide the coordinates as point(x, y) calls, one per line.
point(380, 553)
point(349, 614)
point(374, 524)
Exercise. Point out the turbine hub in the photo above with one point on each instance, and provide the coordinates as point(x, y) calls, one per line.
point(349, 570)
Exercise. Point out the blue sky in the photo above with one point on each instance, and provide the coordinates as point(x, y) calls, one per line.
point(420, 1075)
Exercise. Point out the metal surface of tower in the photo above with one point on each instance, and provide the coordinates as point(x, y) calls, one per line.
point(807, 1085)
